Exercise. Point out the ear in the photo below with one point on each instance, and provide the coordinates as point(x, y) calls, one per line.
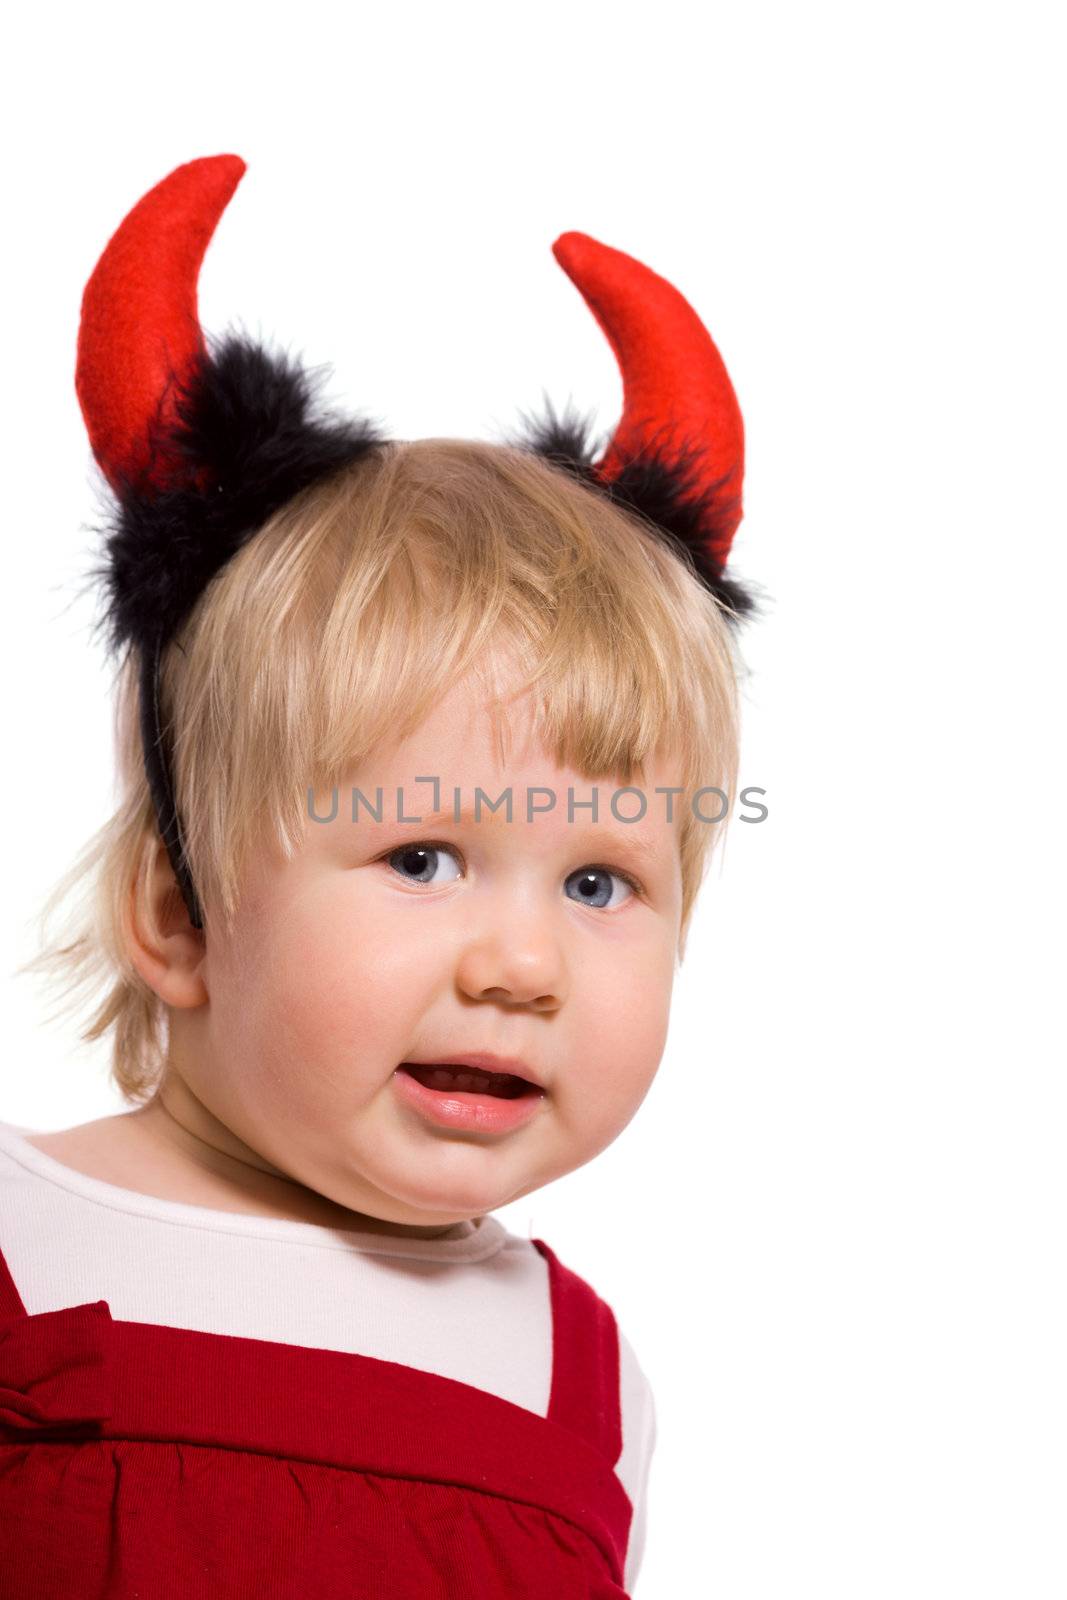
point(164, 947)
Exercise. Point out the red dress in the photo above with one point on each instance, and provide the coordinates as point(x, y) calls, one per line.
point(144, 1462)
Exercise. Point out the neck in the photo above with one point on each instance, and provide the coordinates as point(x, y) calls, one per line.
point(215, 1162)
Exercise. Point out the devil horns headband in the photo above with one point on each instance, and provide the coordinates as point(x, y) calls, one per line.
point(200, 446)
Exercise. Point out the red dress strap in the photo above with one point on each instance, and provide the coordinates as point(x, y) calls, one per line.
point(585, 1359)
point(10, 1300)
point(584, 1395)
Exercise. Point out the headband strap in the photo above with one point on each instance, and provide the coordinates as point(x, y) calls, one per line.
point(161, 780)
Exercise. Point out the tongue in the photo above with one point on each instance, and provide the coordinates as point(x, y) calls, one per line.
point(504, 1085)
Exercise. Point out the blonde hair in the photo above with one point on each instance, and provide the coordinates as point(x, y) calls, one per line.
point(339, 625)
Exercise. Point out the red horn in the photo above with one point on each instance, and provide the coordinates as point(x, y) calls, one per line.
point(676, 390)
point(139, 329)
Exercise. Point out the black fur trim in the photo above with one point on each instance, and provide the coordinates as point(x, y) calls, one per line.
point(660, 485)
point(246, 421)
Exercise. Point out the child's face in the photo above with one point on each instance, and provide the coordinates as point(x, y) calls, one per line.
point(342, 966)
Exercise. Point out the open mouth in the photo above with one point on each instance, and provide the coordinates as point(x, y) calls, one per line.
point(465, 1080)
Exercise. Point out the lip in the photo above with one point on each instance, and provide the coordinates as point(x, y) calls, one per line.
point(482, 1061)
point(462, 1111)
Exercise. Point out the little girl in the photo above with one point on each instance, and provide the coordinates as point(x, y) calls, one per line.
point(416, 745)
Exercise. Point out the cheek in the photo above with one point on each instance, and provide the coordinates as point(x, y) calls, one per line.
point(626, 1006)
point(325, 1002)
point(640, 1030)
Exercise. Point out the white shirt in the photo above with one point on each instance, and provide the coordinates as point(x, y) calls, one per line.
point(69, 1239)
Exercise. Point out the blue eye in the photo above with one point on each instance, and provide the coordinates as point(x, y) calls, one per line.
point(592, 889)
point(418, 863)
point(421, 859)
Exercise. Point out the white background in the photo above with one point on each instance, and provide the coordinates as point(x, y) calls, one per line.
point(834, 1231)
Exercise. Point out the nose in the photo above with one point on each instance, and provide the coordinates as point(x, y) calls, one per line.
point(519, 964)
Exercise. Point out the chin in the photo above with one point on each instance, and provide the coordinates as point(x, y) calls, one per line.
point(438, 1200)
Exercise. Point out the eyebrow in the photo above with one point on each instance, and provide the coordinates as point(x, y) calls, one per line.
point(583, 826)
